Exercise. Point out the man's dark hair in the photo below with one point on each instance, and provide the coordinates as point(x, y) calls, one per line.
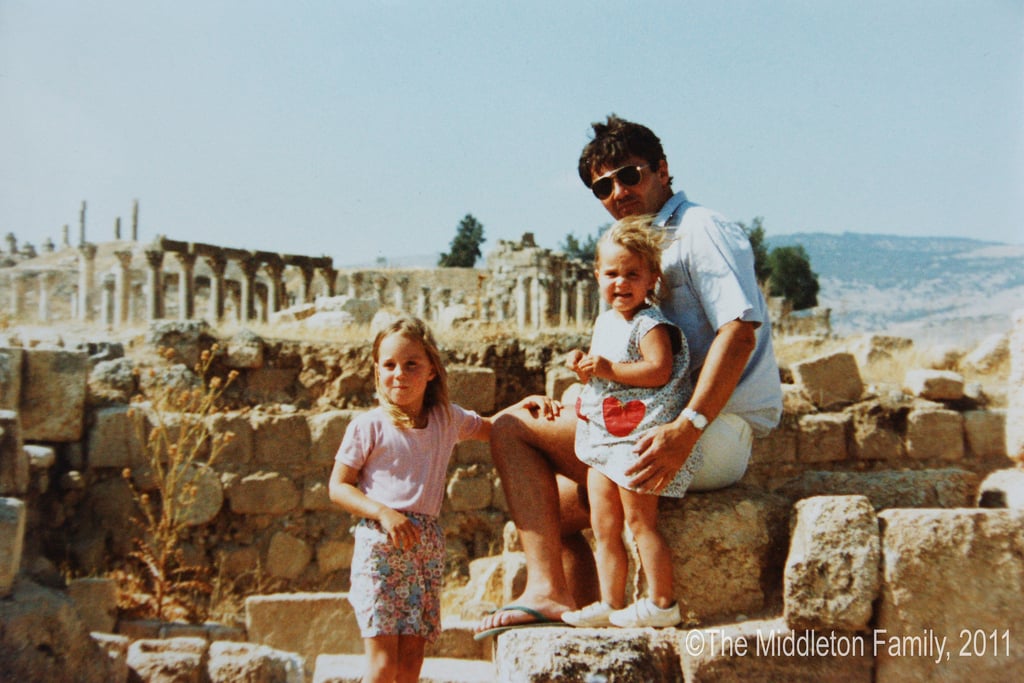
point(615, 141)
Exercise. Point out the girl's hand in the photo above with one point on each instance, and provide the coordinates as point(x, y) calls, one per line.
point(592, 366)
point(402, 532)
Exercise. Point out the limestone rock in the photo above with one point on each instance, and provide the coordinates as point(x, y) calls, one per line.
point(1015, 391)
point(96, 601)
point(171, 660)
point(944, 572)
point(941, 488)
point(43, 639)
point(829, 381)
point(472, 387)
point(989, 357)
point(11, 360)
point(14, 469)
point(287, 555)
point(985, 431)
point(1002, 489)
point(822, 437)
point(568, 654)
point(741, 528)
point(935, 434)
point(12, 541)
point(280, 438)
point(233, 662)
point(263, 493)
point(53, 391)
point(831, 574)
point(934, 385)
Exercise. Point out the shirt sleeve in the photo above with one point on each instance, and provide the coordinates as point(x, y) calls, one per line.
point(466, 422)
point(723, 272)
point(357, 444)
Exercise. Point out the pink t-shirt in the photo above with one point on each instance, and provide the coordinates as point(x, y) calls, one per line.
point(405, 469)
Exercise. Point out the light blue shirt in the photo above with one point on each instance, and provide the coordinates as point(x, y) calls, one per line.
point(709, 270)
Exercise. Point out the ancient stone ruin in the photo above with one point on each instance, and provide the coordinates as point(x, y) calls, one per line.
point(877, 536)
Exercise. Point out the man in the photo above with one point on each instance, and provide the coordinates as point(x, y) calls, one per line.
point(715, 300)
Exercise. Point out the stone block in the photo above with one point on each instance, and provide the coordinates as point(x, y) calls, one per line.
point(567, 654)
point(935, 434)
point(173, 659)
point(11, 360)
point(12, 541)
point(315, 494)
point(280, 438)
point(822, 437)
point(831, 574)
point(934, 385)
point(230, 662)
point(470, 452)
point(470, 488)
point(263, 493)
point(768, 650)
point(456, 642)
point(941, 488)
point(14, 470)
point(877, 348)
point(829, 381)
point(96, 600)
point(473, 388)
point(951, 578)
point(557, 379)
point(351, 668)
point(334, 555)
point(113, 439)
point(116, 648)
point(237, 450)
point(741, 528)
point(53, 390)
point(244, 351)
point(287, 556)
point(1002, 489)
point(986, 433)
point(779, 445)
point(326, 431)
point(989, 357)
point(875, 432)
point(309, 624)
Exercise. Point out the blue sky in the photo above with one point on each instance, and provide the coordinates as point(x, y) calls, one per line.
point(368, 130)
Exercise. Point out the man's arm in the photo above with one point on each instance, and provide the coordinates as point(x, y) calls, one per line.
point(663, 450)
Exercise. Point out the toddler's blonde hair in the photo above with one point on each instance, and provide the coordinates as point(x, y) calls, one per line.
point(636, 234)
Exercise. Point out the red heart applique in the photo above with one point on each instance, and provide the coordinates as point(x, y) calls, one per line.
point(579, 409)
point(621, 419)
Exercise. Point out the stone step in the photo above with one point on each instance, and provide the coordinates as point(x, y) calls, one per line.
point(350, 669)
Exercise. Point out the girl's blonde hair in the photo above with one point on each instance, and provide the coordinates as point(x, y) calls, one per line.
point(416, 330)
point(636, 234)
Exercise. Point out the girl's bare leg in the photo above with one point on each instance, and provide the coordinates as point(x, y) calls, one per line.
point(410, 658)
point(606, 517)
point(382, 659)
point(641, 511)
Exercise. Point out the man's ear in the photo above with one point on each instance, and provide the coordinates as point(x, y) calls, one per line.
point(662, 173)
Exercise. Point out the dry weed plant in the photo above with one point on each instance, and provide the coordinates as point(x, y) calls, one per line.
point(179, 448)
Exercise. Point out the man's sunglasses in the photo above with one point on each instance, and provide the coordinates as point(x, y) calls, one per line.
point(628, 176)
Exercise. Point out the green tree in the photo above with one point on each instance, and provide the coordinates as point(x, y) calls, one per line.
point(465, 246)
point(586, 249)
point(755, 233)
point(792, 277)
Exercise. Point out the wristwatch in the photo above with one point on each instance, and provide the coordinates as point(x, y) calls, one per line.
point(695, 418)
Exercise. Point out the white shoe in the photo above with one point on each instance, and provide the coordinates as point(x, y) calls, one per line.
point(593, 615)
point(644, 613)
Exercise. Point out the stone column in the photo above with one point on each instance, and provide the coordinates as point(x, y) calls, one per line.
point(355, 283)
point(540, 302)
point(582, 307)
point(186, 285)
point(86, 276)
point(423, 303)
point(135, 221)
point(65, 242)
point(73, 303)
point(249, 265)
point(81, 226)
point(218, 263)
point(17, 279)
point(117, 229)
point(522, 300)
point(12, 244)
point(306, 295)
point(44, 283)
point(107, 307)
point(274, 268)
point(401, 285)
point(123, 287)
point(564, 288)
point(154, 284)
point(330, 276)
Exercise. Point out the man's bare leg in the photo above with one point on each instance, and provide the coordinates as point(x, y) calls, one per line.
point(550, 511)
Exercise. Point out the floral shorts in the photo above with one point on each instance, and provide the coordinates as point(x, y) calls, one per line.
point(398, 592)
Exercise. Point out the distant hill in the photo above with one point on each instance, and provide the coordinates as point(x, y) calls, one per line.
point(931, 288)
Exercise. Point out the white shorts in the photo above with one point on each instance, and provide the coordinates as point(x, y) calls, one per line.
point(726, 444)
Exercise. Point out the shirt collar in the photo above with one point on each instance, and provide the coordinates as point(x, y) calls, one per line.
point(668, 210)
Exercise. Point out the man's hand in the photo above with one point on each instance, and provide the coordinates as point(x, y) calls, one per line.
point(661, 452)
point(543, 406)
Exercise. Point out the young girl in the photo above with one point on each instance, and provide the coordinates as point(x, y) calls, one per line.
point(637, 376)
point(390, 471)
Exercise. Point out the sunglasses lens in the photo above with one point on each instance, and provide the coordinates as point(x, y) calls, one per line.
point(629, 176)
point(602, 188)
